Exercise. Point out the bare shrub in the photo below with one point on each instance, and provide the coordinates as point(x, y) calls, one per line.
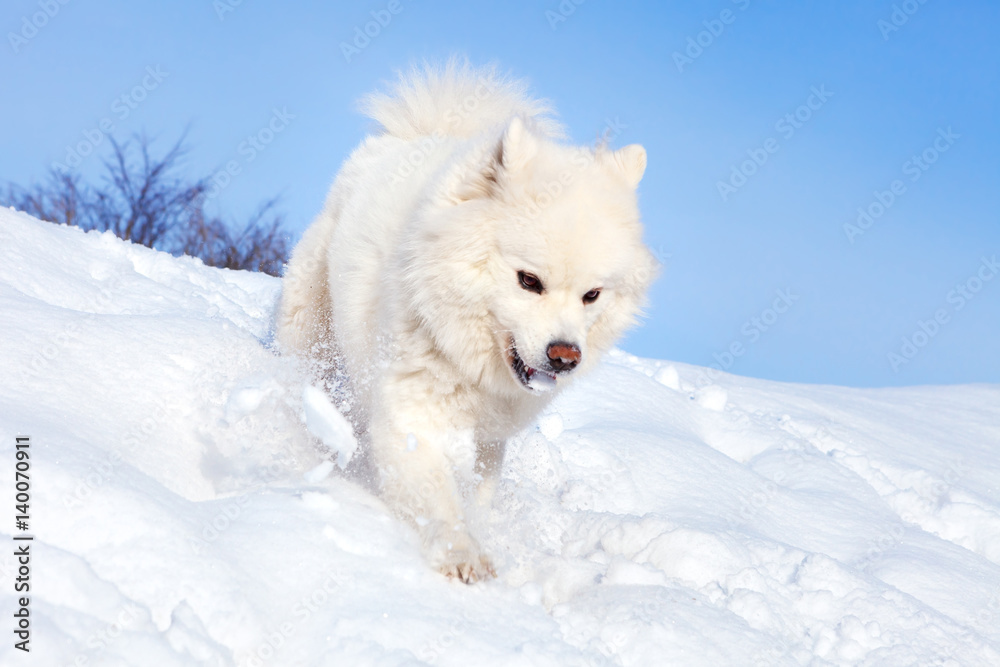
point(142, 199)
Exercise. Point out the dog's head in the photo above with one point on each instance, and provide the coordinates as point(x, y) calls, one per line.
point(549, 241)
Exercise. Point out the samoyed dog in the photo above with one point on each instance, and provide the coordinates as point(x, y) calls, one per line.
point(466, 267)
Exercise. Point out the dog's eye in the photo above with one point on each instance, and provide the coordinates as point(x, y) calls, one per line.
point(591, 296)
point(530, 282)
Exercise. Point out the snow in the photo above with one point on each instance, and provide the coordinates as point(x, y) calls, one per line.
point(187, 510)
point(327, 424)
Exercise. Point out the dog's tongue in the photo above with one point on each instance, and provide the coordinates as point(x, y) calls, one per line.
point(540, 380)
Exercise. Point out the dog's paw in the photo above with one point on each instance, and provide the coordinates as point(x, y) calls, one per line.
point(455, 554)
point(467, 567)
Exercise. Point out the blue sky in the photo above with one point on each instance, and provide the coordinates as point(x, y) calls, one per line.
point(820, 108)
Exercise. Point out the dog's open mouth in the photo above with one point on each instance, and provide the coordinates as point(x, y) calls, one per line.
point(533, 379)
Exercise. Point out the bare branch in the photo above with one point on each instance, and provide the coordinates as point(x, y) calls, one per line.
point(146, 202)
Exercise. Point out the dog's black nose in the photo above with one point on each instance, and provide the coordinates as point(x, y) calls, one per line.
point(563, 356)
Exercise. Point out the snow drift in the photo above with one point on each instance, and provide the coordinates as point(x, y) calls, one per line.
point(184, 512)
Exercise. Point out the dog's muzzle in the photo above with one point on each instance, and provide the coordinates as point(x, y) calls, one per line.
point(533, 379)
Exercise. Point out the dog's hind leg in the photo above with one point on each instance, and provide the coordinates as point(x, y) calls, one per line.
point(304, 315)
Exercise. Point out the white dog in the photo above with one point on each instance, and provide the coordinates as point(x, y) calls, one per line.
point(465, 266)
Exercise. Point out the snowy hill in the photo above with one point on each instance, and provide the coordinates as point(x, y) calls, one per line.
point(182, 514)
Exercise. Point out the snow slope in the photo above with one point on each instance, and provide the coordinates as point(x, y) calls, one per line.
point(184, 514)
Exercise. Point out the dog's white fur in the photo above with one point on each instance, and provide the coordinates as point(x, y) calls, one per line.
point(408, 282)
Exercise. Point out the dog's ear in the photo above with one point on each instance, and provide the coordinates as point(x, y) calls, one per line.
point(517, 147)
point(509, 155)
point(631, 162)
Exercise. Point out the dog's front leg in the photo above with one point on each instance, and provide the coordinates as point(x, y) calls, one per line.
point(422, 447)
point(489, 461)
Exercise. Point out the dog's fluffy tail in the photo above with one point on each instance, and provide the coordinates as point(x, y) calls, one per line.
point(456, 100)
